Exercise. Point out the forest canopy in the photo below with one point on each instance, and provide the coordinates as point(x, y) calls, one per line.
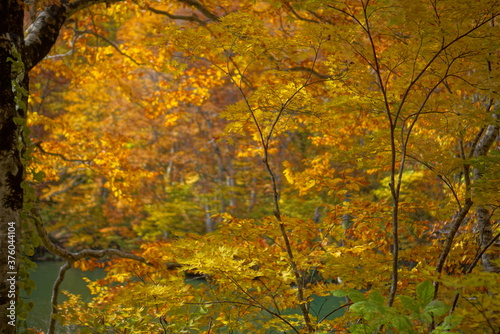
point(235, 166)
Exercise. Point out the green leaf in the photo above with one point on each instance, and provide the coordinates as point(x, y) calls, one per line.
point(410, 304)
point(22, 315)
point(426, 317)
point(372, 307)
point(376, 298)
point(339, 293)
point(450, 322)
point(402, 324)
point(39, 176)
point(358, 307)
point(436, 308)
point(356, 296)
point(368, 309)
point(359, 328)
point(425, 292)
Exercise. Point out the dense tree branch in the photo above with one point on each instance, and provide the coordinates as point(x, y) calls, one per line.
point(297, 15)
point(85, 253)
point(44, 31)
point(201, 8)
point(38, 145)
point(42, 34)
point(79, 5)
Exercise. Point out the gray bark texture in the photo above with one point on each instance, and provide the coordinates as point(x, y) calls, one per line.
point(483, 216)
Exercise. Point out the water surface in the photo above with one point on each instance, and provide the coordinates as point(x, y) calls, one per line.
point(44, 277)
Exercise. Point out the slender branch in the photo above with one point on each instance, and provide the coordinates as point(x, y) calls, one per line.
point(55, 295)
point(481, 311)
point(192, 18)
point(443, 48)
point(265, 140)
point(298, 279)
point(471, 267)
point(262, 307)
point(443, 178)
point(395, 188)
point(420, 109)
point(110, 43)
point(480, 254)
point(459, 219)
point(451, 234)
point(85, 253)
point(38, 145)
point(259, 306)
point(394, 119)
point(333, 311)
point(475, 142)
point(307, 69)
point(297, 15)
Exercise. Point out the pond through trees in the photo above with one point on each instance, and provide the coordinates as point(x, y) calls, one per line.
point(46, 274)
point(44, 277)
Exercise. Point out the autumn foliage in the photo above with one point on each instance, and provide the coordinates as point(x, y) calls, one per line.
point(280, 166)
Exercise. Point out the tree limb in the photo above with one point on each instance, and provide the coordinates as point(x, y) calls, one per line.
point(460, 217)
point(55, 295)
point(71, 258)
point(201, 8)
point(42, 34)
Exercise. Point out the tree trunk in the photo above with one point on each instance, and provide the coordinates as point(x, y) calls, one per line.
point(209, 222)
point(11, 169)
point(483, 215)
